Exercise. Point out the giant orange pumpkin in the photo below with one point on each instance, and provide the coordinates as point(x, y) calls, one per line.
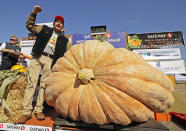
point(97, 83)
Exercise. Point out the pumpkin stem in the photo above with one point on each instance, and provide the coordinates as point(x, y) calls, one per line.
point(85, 75)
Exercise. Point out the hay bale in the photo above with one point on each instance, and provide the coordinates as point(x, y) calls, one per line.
point(13, 96)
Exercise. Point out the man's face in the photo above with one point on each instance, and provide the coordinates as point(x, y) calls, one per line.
point(13, 40)
point(58, 25)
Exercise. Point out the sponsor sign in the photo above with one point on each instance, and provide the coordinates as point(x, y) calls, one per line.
point(12, 127)
point(117, 39)
point(159, 54)
point(49, 24)
point(155, 40)
point(27, 43)
point(169, 67)
point(26, 48)
point(179, 77)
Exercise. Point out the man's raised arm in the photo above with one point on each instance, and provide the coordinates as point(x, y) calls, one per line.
point(30, 23)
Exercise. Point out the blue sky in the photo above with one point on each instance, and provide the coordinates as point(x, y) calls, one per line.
point(132, 16)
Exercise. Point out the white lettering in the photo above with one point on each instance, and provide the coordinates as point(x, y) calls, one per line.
point(156, 36)
point(86, 36)
point(113, 40)
point(80, 41)
point(36, 129)
point(13, 127)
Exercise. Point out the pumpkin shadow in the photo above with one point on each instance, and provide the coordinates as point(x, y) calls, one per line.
point(77, 83)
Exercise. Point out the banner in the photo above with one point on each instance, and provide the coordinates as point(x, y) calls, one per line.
point(49, 24)
point(117, 39)
point(27, 43)
point(159, 54)
point(26, 48)
point(179, 77)
point(169, 67)
point(155, 40)
point(12, 127)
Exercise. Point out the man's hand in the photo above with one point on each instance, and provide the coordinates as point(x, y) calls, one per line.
point(19, 53)
point(11, 51)
point(37, 9)
point(7, 50)
point(22, 55)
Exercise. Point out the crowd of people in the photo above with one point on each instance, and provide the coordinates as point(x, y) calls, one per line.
point(50, 45)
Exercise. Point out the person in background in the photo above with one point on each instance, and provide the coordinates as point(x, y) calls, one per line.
point(10, 53)
point(50, 45)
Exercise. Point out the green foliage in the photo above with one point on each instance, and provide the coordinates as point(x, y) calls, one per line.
point(134, 37)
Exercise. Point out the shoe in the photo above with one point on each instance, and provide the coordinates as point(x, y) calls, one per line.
point(23, 119)
point(40, 116)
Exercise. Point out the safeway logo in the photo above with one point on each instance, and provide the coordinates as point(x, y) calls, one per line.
point(46, 129)
point(108, 35)
point(22, 127)
point(34, 128)
point(169, 35)
point(1, 125)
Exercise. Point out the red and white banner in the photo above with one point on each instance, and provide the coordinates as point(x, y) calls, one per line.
point(12, 127)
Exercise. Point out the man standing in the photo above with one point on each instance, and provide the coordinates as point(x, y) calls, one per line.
point(10, 53)
point(50, 45)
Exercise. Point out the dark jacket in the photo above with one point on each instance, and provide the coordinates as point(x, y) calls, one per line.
point(42, 39)
point(5, 55)
point(43, 34)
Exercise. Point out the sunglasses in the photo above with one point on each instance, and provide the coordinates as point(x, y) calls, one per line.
point(12, 39)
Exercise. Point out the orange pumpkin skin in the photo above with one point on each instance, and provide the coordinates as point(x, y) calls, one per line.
point(122, 87)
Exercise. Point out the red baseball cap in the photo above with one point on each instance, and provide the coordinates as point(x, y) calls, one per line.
point(59, 18)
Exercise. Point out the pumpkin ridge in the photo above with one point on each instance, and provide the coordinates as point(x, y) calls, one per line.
point(64, 65)
point(147, 100)
point(84, 108)
point(70, 55)
point(76, 53)
point(54, 97)
point(131, 71)
point(97, 99)
point(118, 56)
point(136, 98)
point(88, 54)
point(101, 55)
point(64, 100)
point(120, 117)
point(137, 77)
point(128, 108)
point(87, 110)
point(98, 69)
point(54, 85)
point(151, 73)
point(80, 101)
point(70, 60)
point(79, 56)
point(72, 112)
point(92, 50)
